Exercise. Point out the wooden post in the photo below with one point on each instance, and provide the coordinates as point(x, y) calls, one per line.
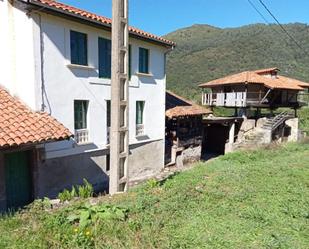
point(119, 143)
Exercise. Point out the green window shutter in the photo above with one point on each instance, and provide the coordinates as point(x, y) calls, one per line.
point(105, 58)
point(143, 60)
point(80, 114)
point(79, 53)
point(130, 62)
point(140, 112)
point(108, 113)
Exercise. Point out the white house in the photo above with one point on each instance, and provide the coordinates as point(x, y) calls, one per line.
point(57, 58)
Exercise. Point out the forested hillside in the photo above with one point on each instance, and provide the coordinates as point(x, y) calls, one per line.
point(204, 53)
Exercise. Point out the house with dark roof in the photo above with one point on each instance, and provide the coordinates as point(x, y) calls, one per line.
point(184, 129)
point(57, 59)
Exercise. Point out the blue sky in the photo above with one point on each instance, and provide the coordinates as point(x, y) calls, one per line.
point(163, 16)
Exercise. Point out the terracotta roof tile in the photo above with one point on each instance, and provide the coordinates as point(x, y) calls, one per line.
point(94, 17)
point(19, 125)
point(267, 70)
point(177, 106)
point(255, 77)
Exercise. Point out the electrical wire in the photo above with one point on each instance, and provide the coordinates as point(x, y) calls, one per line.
point(281, 26)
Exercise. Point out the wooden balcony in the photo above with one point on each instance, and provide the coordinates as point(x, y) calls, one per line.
point(233, 99)
point(251, 99)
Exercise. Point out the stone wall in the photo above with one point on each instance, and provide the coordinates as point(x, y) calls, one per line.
point(146, 160)
point(293, 123)
point(56, 174)
point(51, 176)
point(246, 126)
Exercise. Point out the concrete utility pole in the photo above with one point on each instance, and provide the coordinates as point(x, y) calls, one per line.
point(119, 144)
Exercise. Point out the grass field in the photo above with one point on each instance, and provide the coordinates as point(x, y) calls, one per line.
point(257, 199)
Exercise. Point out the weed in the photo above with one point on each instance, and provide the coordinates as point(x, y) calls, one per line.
point(81, 191)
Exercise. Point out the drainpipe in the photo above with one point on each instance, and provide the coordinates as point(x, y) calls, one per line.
point(165, 54)
point(12, 45)
point(42, 65)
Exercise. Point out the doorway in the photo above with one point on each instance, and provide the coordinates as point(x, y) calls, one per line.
point(18, 183)
point(214, 139)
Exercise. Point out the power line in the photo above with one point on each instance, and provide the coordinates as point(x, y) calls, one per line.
point(281, 26)
point(259, 12)
point(267, 22)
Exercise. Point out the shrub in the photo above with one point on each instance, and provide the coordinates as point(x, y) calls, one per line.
point(65, 195)
point(82, 191)
point(152, 183)
point(86, 190)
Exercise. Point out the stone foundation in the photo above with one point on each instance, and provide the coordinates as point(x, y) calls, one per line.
point(293, 123)
point(57, 174)
point(52, 176)
point(146, 160)
point(192, 154)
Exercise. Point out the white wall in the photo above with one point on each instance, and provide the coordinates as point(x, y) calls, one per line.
point(17, 52)
point(64, 83)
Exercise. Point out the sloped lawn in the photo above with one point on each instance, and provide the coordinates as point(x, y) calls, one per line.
point(256, 199)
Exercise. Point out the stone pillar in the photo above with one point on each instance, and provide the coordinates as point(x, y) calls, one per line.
point(232, 134)
point(229, 145)
point(119, 143)
point(2, 184)
point(293, 123)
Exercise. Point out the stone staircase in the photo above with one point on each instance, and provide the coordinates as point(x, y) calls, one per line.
point(252, 139)
point(262, 135)
point(274, 122)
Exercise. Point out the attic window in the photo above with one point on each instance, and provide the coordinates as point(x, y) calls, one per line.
point(274, 75)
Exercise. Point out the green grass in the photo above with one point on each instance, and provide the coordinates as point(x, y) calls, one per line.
point(257, 199)
point(303, 115)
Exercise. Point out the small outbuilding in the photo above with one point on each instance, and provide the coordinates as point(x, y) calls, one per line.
point(248, 93)
point(184, 129)
point(23, 134)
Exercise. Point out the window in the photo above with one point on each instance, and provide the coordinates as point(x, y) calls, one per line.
point(140, 112)
point(78, 48)
point(105, 58)
point(80, 114)
point(143, 60)
point(130, 61)
point(108, 113)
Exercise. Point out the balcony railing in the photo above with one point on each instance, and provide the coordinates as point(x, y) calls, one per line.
point(82, 136)
point(237, 99)
point(139, 130)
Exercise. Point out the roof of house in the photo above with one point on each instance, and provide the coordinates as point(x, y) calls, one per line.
point(177, 106)
point(267, 70)
point(85, 15)
point(20, 126)
point(256, 77)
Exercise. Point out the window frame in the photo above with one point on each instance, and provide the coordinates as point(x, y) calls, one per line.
point(143, 69)
point(83, 115)
point(139, 120)
point(108, 75)
point(78, 58)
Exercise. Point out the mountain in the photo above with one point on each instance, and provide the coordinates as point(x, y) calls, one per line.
point(204, 53)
